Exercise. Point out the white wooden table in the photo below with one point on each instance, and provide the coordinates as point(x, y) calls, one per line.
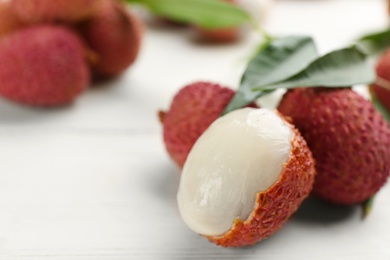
point(93, 180)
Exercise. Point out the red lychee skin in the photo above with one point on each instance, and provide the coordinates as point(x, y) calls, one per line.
point(115, 35)
point(382, 94)
point(275, 205)
point(192, 111)
point(43, 65)
point(349, 139)
point(35, 11)
point(382, 87)
point(220, 35)
point(9, 22)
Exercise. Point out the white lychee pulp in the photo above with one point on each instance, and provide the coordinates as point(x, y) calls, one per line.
point(239, 155)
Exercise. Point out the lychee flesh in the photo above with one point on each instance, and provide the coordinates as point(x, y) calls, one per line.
point(43, 65)
point(349, 139)
point(244, 177)
point(192, 111)
point(115, 35)
point(381, 88)
point(36, 11)
point(9, 22)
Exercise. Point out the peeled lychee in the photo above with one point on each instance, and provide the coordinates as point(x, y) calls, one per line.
point(9, 22)
point(244, 177)
point(349, 139)
point(115, 35)
point(42, 65)
point(381, 88)
point(192, 110)
point(34, 11)
point(228, 34)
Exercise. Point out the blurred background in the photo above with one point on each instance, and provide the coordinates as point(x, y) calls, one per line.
point(84, 173)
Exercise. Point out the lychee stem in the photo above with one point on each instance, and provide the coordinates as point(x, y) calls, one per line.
point(92, 56)
point(367, 207)
point(161, 116)
point(257, 27)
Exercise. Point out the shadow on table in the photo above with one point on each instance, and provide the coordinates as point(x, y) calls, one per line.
point(14, 113)
point(166, 183)
point(317, 211)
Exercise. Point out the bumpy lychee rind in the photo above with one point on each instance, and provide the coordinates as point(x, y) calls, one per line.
point(115, 35)
point(44, 65)
point(192, 111)
point(275, 205)
point(349, 139)
point(35, 11)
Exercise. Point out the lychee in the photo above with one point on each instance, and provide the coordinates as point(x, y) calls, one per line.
point(42, 65)
point(115, 34)
point(244, 177)
point(349, 139)
point(35, 11)
point(381, 88)
point(192, 110)
point(9, 22)
point(228, 34)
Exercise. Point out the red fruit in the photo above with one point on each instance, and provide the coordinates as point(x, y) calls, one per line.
point(115, 35)
point(219, 35)
point(349, 139)
point(381, 89)
point(9, 22)
point(34, 11)
point(192, 110)
point(43, 65)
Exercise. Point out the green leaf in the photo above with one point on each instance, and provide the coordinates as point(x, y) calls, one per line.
point(378, 105)
point(367, 207)
point(340, 68)
point(375, 43)
point(205, 13)
point(276, 60)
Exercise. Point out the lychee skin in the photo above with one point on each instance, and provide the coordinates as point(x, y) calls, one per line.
point(349, 139)
point(382, 94)
point(115, 34)
point(223, 35)
point(36, 11)
point(9, 22)
point(192, 111)
point(276, 205)
point(43, 66)
point(382, 88)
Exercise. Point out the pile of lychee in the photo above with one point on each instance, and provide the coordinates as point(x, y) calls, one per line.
point(245, 173)
point(50, 51)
